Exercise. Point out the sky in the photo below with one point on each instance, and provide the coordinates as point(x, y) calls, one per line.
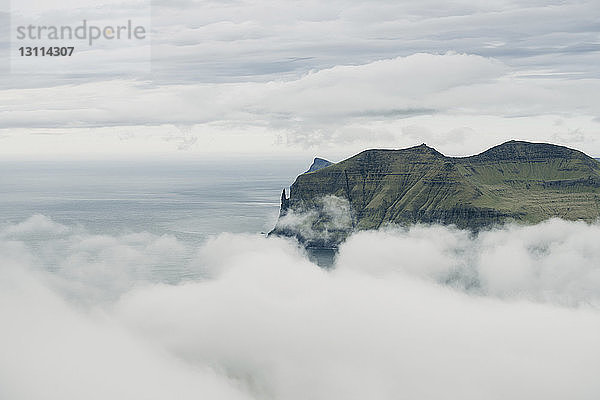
point(424, 312)
point(288, 78)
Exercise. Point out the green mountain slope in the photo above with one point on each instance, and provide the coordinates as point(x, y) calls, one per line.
point(520, 181)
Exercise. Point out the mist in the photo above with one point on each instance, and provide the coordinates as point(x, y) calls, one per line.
point(429, 312)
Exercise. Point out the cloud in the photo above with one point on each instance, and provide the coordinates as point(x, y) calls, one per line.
point(51, 350)
point(261, 321)
point(292, 330)
point(239, 41)
point(330, 95)
point(423, 97)
point(260, 40)
point(35, 225)
point(283, 76)
point(326, 223)
point(93, 268)
point(554, 261)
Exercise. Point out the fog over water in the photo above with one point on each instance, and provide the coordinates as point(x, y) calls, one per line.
point(134, 307)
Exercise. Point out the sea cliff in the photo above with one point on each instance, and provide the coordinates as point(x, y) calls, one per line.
point(515, 181)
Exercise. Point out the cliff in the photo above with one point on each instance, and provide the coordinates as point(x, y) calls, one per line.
point(318, 163)
point(515, 181)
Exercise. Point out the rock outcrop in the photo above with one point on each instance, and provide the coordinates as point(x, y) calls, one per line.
point(515, 181)
point(318, 163)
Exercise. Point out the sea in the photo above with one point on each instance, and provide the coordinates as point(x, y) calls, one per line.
point(190, 200)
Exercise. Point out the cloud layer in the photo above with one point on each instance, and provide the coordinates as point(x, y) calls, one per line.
point(429, 312)
point(274, 76)
point(459, 103)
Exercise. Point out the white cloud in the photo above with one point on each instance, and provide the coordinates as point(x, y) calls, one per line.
point(327, 222)
point(287, 76)
point(35, 225)
point(554, 261)
point(386, 103)
point(92, 268)
point(51, 350)
point(291, 330)
point(264, 322)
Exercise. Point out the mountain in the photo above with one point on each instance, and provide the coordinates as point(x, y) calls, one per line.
point(515, 181)
point(318, 163)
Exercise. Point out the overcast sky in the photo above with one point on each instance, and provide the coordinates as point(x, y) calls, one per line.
point(306, 78)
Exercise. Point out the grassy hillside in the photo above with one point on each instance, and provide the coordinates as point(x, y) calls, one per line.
point(519, 181)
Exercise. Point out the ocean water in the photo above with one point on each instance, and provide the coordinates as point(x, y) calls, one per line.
point(188, 200)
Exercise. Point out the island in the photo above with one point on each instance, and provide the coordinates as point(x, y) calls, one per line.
point(516, 181)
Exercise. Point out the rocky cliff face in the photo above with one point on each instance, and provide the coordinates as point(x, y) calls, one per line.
point(517, 181)
point(318, 163)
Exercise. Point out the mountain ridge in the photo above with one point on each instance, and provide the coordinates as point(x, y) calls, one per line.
point(318, 163)
point(514, 181)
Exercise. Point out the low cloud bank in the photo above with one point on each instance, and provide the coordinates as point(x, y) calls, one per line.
point(555, 261)
point(428, 312)
point(326, 222)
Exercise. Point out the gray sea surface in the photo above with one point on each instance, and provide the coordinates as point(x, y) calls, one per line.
point(190, 200)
